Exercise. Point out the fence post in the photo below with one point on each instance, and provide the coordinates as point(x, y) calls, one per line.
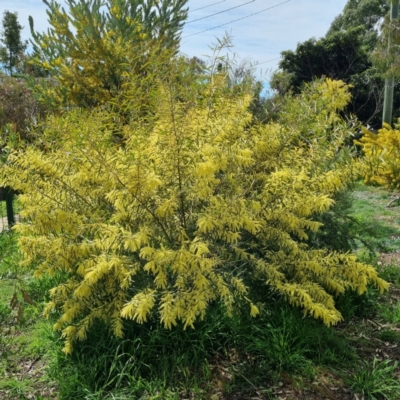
point(9, 207)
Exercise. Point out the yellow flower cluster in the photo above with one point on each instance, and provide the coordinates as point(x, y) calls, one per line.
point(382, 156)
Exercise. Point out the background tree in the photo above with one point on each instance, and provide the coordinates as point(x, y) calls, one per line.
point(91, 49)
point(14, 48)
point(344, 53)
point(341, 55)
point(366, 14)
point(19, 110)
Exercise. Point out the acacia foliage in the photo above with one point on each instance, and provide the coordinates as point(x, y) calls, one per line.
point(92, 45)
point(196, 205)
point(382, 156)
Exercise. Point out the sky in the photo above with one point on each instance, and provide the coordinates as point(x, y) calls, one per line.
point(259, 38)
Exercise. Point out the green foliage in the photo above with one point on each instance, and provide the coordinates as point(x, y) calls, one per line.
point(354, 224)
point(385, 57)
point(14, 47)
point(338, 231)
point(390, 313)
point(92, 47)
point(355, 50)
point(196, 207)
point(375, 381)
point(19, 109)
point(366, 14)
point(389, 336)
point(9, 255)
point(376, 229)
point(351, 304)
point(283, 347)
point(5, 312)
point(15, 388)
point(29, 69)
point(232, 351)
point(340, 55)
point(390, 274)
point(147, 361)
point(293, 344)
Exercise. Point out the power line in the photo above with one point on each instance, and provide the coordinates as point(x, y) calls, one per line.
point(235, 20)
point(220, 12)
point(201, 8)
point(264, 62)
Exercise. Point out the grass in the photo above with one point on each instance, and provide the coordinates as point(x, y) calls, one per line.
point(390, 336)
point(376, 380)
point(378, 230)
point(281, 353)
point(221, 354)
point(390, 313)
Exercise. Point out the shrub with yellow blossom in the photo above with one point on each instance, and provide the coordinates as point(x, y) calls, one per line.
point(382, 156)
point(196, 205)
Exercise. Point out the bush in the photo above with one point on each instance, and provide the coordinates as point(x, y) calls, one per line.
point(382, 156)
point(192, 205)
point(18, 107)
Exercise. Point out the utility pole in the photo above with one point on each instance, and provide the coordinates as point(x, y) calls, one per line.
point(389, 82)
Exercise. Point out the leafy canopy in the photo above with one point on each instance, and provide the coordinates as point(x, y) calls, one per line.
point(341, 55)
point(93, 45)
point(345, 53)
point(197, 205)
point(366, 14)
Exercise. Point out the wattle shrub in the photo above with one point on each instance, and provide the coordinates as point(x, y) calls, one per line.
point(382, 156)
point(186, 204)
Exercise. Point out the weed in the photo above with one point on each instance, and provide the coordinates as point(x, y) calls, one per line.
point(375, 381)
point(376, 228)
point(390, 313)
point(41, 338)
point(390, 273)
point(9, 256)
point(241, 353)
point(389, 336)
point(151, 359)
point(5, 313)
point(280, 344)
point(14, 388)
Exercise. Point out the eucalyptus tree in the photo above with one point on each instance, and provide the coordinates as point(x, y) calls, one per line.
point(367, 14)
